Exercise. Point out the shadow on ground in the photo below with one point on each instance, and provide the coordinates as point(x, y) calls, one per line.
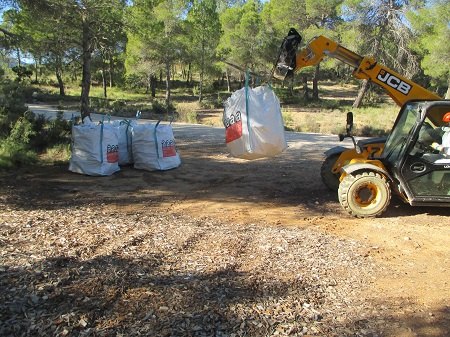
point(110, 295)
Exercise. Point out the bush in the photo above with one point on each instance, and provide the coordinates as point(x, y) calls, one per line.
point(15, 150)
point(212, 101)
point(288, 120)
point(191, 117)
point(118, 106)
point(22, 72)
point(23, 134)
point(57, 131)
point(13, 155)
point(159, 108)
point(22, 131)
point(12, 107)
point(99, 104)
point(133, 82)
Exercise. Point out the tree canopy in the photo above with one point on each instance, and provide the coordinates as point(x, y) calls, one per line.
point(79, 39)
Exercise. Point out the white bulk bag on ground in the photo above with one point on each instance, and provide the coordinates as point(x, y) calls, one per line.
point(124, 134)
point(154, 147)
point(95, 149)
point(254, 124)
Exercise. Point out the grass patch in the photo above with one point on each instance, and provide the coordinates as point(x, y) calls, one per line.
point(288, 120)
point(374, 121)
point(368, 122)
point(187, 112)
point(57, 154)
point(14, 155)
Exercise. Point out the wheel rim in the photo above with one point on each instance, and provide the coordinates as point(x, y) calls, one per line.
point(366, 195)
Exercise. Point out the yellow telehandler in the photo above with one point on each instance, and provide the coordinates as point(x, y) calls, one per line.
point(404, 162)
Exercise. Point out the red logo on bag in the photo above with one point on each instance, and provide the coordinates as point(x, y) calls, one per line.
point(168, 148)
point(233, 127)
point(112, 153)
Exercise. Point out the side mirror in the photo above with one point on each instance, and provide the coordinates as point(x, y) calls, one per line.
point(349, 125)
point(348, 128)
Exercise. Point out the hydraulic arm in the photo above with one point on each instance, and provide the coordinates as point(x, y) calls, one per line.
point(399, 88)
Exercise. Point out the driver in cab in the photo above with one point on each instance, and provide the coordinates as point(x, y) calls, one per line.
point(444, 148)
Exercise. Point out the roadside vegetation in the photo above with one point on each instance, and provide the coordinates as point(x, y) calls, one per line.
point(27, 139)
point(24, 136)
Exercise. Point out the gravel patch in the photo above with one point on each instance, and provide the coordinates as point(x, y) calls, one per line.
point(90, 271)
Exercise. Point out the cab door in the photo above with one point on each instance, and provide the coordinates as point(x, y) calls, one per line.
point(427, 176)
point(426, 173)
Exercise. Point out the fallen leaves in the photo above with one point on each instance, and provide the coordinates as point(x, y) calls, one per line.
point(74, 271)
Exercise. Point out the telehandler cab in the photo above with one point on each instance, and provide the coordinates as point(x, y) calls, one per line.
point(404, 163)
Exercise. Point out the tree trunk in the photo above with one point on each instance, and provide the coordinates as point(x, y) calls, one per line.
point(86, 74)
point(228, 80)
point(305, 87)
point(291, 86)
point(200, 87)
point(447, 94)
point(19, 61)
point(188, 77)
point(105, 94)
point(111, 71)
point(167, 85)
point(202, 69)
point(153, 82)
point(361, 92)
point(315, 94)
point(36, 67)
point(148, 84)
point(58, 72)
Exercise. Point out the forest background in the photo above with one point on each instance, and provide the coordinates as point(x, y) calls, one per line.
point(179, 58)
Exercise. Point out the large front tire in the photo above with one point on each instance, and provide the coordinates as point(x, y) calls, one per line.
point(330, 179)
point(365, 194)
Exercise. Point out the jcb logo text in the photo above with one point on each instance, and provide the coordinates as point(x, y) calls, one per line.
point(394, 82)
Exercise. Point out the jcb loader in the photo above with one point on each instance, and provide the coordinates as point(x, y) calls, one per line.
point(404, 163)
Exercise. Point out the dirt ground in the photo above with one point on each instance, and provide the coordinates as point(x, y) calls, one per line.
point(410, 246)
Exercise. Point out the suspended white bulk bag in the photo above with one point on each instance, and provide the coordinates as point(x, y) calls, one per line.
point(95, 149)
point(254, 124)
point(154, 147)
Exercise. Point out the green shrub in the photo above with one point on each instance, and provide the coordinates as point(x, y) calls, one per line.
point(22, 134)
point(31, 135)
point(212, 102)
point(159, 108)
point(22, 131)
point(13, 155)
point(133, 82)
point(195, 90)
point(287, 118)
point(58, 130)
point(191, 117)
point(118, 106)
point(99, 104)
point(22, 72)
point(15, 150)
point(12, 107)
